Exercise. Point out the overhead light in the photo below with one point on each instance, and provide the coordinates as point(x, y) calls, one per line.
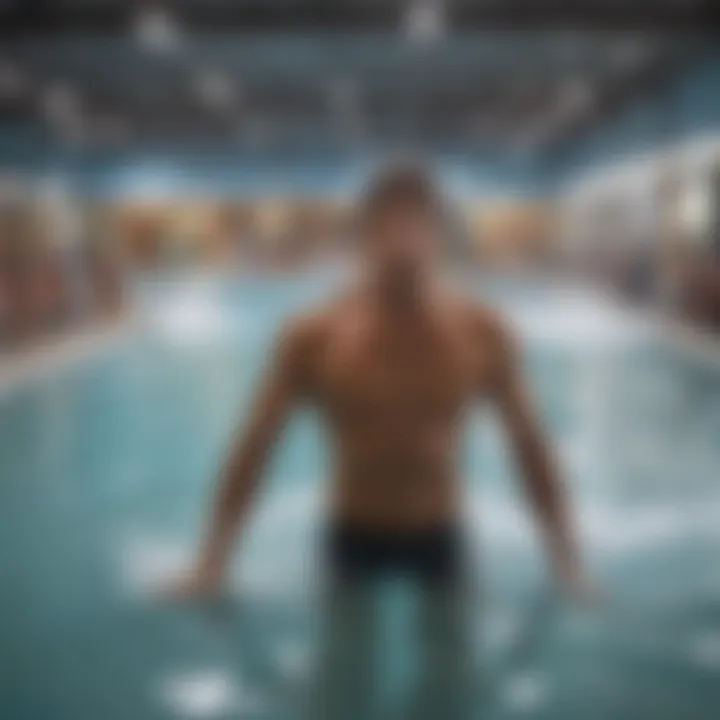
point(216, 90)
point(13, 82)
point(425, 20)
point(156, 30)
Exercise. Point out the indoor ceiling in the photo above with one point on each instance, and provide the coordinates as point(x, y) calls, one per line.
point(335, 73)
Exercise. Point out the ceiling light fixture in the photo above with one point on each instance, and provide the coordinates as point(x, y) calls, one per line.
point(425, 21)
point(156, 30)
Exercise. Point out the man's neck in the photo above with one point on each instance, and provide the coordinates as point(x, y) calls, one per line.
point(406, 299)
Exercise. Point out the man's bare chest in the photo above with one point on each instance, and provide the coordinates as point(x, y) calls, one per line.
point(377, 379)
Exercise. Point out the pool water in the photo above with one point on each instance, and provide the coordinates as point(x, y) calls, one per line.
point(107, 471)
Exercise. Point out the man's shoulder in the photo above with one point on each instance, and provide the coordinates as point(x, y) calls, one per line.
point(480, 319)
point(308, 331)
point(491, 335)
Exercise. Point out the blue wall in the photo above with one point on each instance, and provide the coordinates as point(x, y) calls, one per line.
point(227, 175)
point(157, 172)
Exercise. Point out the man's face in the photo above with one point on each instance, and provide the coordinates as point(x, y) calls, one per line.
point(401, 242)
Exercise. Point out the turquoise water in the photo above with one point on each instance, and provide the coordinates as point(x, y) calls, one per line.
point(107, 469)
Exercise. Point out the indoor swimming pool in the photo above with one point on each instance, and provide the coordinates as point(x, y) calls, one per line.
point(108, 465)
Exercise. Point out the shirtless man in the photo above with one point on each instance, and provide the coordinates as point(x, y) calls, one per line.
point(393, 367)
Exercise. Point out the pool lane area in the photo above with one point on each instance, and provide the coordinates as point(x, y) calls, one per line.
point(107, 471)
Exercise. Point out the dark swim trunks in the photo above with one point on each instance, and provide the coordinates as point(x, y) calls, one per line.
point(432, 555)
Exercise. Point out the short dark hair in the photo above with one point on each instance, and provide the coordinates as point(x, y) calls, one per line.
point(404, 184)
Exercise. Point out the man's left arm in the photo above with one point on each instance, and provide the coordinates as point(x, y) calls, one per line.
point(537, 464)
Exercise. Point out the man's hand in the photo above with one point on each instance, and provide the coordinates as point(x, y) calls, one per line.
point(284, 383)
point(539, 472)
point(199, 583)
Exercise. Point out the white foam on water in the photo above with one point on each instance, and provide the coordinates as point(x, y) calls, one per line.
point(609, 529)
point(279, 559)
point(208, 694)
point(193, 320)
point(526, 692)
point(149, 564)
point(274, 563)
point(581, 321)
point(498, 521)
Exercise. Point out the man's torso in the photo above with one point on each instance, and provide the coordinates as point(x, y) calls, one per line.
point(393, 392)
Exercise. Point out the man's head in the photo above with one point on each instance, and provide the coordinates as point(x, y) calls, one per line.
point(400, 222)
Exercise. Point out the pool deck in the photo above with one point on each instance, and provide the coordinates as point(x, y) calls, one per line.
point(28, 363)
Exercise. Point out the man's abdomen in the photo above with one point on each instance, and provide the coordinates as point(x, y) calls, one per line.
point(396, 495)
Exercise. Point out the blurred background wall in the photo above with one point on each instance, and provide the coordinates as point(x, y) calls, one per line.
point(580, 140)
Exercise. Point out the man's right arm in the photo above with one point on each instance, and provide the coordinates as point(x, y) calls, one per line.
point(284, 382)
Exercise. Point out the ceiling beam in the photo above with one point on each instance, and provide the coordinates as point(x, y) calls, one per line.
point(113, 18)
